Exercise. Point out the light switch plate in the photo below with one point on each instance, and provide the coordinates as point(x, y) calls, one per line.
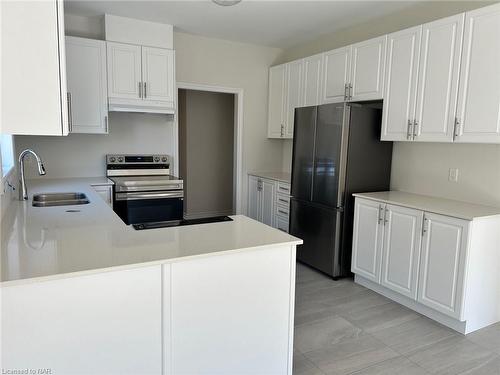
point(453, 175)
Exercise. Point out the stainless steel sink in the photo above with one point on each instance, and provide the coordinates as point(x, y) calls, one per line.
point(59, 199)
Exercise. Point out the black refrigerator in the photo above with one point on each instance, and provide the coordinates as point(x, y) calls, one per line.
point(336, 152)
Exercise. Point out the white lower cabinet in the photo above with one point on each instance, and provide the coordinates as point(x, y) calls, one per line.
point(442, 263)
point(438, 265)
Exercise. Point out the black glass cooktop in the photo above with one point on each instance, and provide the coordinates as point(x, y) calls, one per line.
point(178, 223)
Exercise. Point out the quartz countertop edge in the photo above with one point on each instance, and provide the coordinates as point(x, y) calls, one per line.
point(437, 205)
point(48, 243)
point(277, 176)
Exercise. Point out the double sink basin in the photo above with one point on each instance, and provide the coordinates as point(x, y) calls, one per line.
point(59, 199)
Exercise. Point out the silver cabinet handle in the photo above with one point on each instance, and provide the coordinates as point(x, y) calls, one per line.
point(415, 128)
point(456, 132)
point(350, 91)
point(424, 230)
point(408, 131)
point(140, 89)
point(346, 92)
point(380, 209)
point(385, 216)
point(144, 90)
point(70, 112)
point(106, 124)
point(282, 131)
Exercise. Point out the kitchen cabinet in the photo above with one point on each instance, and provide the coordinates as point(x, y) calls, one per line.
point(114, 318)
point(367, 239)
point(442, 263)
point(34, 99)
point(294, 94)
point(478, 115)
point(403, 50)
point(336, 75)
point(437, 264)
point(277, 101)
point(312, 80)
point(254, 198)
point(140, 79)
point(87, 86)
point(437, 88)
point(401, 249)
point(367, 69)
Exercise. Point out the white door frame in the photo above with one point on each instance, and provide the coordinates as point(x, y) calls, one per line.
point(238, 134)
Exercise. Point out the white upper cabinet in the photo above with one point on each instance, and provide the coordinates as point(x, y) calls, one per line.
point(158, 74)
point(367, 239)
point(367, 69)
point(438, 79)
point(295, 94)
point(403, 48)
point(401, 251)
point(277, 101)
point(34, 99)
point(124, 71)
point(312, 80)
point(442, 263)
point(478, 112)
point(336, 72)
point(86, 79)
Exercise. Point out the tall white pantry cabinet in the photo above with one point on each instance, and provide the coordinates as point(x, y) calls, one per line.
point(443, 264)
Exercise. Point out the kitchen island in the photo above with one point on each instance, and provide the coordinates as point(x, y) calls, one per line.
point(82, 292)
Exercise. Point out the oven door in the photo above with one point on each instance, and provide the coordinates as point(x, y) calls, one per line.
point(149, 207)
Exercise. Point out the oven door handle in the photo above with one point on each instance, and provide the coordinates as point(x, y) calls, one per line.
point(138, 196)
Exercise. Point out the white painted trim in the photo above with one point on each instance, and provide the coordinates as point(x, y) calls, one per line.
point(238, 134)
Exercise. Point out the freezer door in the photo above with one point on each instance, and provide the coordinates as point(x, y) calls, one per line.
point(320, 228)
point(303, 152)
point(330, 154)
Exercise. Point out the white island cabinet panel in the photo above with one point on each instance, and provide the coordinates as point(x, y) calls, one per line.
point(233, 314)
point(105, 323)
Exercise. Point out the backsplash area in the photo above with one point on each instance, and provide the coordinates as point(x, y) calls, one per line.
point(83, 155)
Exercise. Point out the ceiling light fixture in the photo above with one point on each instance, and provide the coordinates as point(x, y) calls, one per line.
point(226, 3)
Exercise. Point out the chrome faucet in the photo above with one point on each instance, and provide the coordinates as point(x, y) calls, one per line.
point(23, 191)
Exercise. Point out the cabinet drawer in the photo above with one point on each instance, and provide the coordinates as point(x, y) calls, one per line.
point(283, 211)
point(283, 188)
point(283, 200)
point(282, 223)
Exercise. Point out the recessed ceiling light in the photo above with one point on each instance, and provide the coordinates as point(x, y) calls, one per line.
point(226, 3)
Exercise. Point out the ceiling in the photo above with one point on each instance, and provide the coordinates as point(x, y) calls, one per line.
point(279, 24)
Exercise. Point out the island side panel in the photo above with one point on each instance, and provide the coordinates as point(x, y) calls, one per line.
point(105, 323)
point(231, 314)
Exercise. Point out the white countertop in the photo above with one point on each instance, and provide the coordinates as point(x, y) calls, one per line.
point(278, 176)
point(449, 207)
point(48, 242)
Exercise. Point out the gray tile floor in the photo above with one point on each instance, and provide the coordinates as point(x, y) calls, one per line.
point(344, 328)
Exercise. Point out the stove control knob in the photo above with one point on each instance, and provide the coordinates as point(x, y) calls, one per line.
point(120, 159)
point(164, 159)
point(157, 159)
point(112, 159)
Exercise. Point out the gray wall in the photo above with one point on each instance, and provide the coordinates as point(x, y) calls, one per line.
point(206, 151)
point(421, 168)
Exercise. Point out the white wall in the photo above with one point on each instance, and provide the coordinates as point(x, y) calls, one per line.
point(82, 155)
point(420, 168)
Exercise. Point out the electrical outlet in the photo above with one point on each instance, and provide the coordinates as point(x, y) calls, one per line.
point(453, 175)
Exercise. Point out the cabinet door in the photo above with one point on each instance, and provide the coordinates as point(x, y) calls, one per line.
point(312, 80)
point(336, 71)
point(112, 317)
point(442, 264)
point(478, 113)
point(105, 192)
point(86, 77)
point(295, 94)
point(158, 74)
point(400, 84)
point(367, 239)
point(33, 96)
point(367, 69)
point(401, 251)
point(268, 192)
point(253, 208)
point(438, 79)
point(124, 71)
point(276, 101)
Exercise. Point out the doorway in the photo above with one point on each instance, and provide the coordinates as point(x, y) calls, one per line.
point(207, 163)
